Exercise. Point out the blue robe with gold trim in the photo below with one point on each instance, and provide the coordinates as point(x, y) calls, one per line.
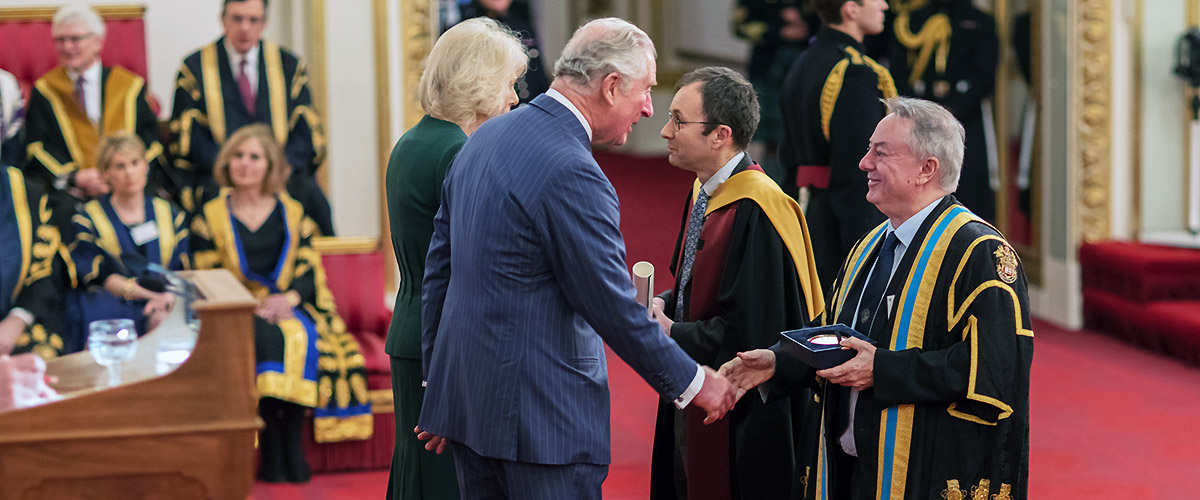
point(34, 269)
point(105, 246)
point(312, 361)
point(948, 416)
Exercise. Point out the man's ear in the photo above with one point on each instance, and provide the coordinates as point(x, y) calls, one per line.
point(609, 88)
point(849, 10)
point(721, 135)
point(930, 170)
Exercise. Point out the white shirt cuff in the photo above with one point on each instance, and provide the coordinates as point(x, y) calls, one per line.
point(692, 389)
point(23, 314)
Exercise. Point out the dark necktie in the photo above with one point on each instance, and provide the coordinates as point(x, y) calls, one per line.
point(869, 304)
point(80, 96)
point(243, 83)
point(695, 224)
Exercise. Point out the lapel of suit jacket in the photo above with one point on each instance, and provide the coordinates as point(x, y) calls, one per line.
point(564, 117)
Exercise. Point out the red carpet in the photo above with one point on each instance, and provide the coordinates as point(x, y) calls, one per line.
point(1109, 420)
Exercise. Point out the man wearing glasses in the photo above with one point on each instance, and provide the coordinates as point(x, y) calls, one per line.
point(238, 80)
point(743, 272)
point(79, 102)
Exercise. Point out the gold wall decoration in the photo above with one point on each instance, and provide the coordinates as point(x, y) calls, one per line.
point(417, 30)
point(318, 82)
point(47, 13)
point(1093, 116)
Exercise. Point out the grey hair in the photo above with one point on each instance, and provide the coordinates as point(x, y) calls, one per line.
point(935, 134)
point(79, 13)
point(604, 46)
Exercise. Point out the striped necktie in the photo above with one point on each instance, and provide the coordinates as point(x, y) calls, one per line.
point(695, 224)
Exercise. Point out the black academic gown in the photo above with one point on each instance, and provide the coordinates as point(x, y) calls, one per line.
point(208, 109)
point(948, 416)
point(958, 72)
point(60, 138)
point(830, 109)
point(745, 289)
point(34, 268)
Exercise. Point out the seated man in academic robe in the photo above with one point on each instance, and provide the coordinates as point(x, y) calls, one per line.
point(938, 406)
point(744, 271)
point(80, 101)
point(238, 80)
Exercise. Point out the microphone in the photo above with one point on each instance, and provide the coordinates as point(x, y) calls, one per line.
point(153, 283)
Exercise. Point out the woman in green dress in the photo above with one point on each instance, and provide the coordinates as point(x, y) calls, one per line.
point(305, 358)
point(469, 78)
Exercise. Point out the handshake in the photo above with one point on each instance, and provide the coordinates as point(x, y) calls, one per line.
point(724, 388)
point(751, 368)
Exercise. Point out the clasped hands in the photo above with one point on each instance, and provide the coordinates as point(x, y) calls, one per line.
point(751, 368)
point(276, 307)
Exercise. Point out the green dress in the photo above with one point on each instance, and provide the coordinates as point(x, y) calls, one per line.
point(415, 173)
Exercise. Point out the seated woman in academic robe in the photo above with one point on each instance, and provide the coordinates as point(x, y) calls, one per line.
point(305, 358)
point(120, 237)
point(34, 271)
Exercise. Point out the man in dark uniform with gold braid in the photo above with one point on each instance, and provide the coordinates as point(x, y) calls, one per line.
point(947, 51)
point(238, 80)
point(830, 105)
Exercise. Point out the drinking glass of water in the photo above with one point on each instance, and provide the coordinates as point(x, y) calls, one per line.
point(112, 342)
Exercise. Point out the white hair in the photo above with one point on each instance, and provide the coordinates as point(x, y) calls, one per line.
point(79, 13)
point(935, 134)
point(605, 46)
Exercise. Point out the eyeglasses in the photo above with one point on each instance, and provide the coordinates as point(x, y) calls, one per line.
point(65, 39)
point(680, 123)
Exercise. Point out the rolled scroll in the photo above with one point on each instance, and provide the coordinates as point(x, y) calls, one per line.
point(643, 282)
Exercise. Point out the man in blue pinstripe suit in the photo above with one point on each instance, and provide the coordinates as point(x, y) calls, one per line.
point(525, 281)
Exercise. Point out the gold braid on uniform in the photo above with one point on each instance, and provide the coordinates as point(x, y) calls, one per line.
point(902, 6)
point(934, 35)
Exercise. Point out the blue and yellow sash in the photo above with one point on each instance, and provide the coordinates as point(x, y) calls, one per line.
point(908, 331)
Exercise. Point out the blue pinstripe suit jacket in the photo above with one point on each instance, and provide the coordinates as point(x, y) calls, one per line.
point(525, 276)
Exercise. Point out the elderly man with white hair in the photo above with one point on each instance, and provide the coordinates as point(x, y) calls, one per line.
point(525, 281)
point(81, 101)
point(938, 406)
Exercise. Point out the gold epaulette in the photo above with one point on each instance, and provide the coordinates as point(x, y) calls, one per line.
point(833, 83)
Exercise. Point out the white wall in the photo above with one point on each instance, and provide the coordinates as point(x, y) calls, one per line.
point(1162, 106)
point(351, 118)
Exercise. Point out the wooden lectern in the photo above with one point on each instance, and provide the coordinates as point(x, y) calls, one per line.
point(188, 434)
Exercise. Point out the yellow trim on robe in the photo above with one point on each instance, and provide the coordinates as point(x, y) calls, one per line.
point(20, 201)
point(37, 150)
point(914, 338)
point(213, 98)
point(166, 230)
point(780, 210)
point(275, 90)
point(118, 114)
point(104, 228)
point(53, 86)
point(121, 91)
